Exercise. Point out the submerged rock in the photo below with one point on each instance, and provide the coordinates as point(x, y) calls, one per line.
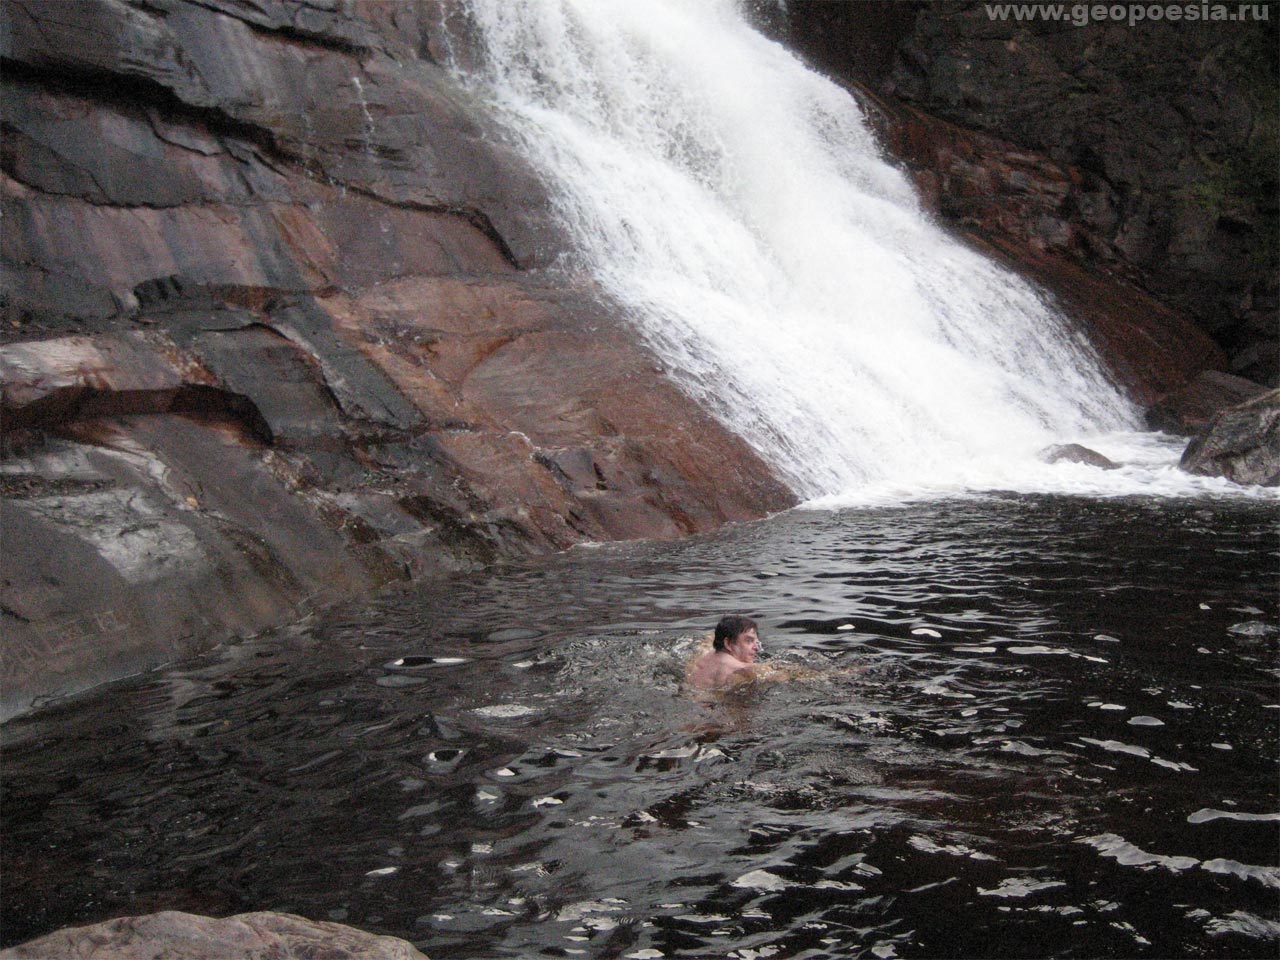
point(1075, 453)
point(1242, 443)
point(173, 935)
point(1252, 628)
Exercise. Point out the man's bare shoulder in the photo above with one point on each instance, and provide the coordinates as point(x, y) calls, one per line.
point(714, 669)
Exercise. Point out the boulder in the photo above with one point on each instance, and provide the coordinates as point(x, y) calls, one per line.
point(1242, 443)
point(1075, 453)
point(1189, 409)
point(172, 935)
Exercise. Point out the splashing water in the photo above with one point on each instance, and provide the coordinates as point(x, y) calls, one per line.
point(738, 205)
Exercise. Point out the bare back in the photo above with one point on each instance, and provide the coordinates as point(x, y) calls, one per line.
point(716, 668)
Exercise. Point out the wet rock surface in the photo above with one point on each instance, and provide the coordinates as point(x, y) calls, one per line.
point(1242, 443)
point(1171, 127)
point(1076, 453)
point(1188, 410)
point(1145, 153)
point(281, 323)
point(173, 935)
point(1016, 205)
point(279, 328)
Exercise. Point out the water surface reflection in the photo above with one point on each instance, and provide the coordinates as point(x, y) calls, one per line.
point(1063, 745)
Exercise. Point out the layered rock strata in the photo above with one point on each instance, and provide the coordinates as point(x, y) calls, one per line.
point(279, 327)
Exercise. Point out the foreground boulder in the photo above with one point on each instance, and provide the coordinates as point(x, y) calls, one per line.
point(1241, 443)
point(172, 935)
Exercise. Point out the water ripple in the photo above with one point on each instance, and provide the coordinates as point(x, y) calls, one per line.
point(511, 766)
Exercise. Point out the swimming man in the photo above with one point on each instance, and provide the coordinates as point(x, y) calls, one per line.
point(731, 659)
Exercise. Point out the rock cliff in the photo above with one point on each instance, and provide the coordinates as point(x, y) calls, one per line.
point(282, 320)
point(278, 328)
point(1144, 155)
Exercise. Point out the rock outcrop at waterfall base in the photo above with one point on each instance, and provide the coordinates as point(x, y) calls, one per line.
point(1241, 443)
point(173, 935)
point(277, 329)
point(1188, 410)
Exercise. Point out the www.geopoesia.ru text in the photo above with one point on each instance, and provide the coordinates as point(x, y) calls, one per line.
point(1082, 14)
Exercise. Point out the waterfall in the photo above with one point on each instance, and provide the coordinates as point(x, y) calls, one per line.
point(739, 207)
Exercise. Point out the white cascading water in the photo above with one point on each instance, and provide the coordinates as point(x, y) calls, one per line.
point(738, 204)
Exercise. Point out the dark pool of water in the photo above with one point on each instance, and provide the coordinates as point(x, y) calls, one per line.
point(1064, 745)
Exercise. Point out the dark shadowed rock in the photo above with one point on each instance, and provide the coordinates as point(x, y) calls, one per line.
point(1170, 127)
point(171, 935)
point(1075, 453)
point(1147, 154)
point(1017, 205)
point(1188, 410)
point(1241, 443)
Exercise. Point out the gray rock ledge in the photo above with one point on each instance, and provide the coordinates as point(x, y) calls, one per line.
point(173, 935)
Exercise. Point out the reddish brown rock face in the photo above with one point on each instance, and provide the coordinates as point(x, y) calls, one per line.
point(278, 330)
point(281, 324)
point(1189, 410)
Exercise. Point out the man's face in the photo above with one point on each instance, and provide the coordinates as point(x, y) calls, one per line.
point(744, 646)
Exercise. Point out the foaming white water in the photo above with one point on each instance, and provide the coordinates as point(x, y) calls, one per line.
point(739, 205)
point(1147, 465)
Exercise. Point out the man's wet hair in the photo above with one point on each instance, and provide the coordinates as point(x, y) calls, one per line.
point(730, 627)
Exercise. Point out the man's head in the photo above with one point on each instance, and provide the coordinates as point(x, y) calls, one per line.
point(730, 628)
